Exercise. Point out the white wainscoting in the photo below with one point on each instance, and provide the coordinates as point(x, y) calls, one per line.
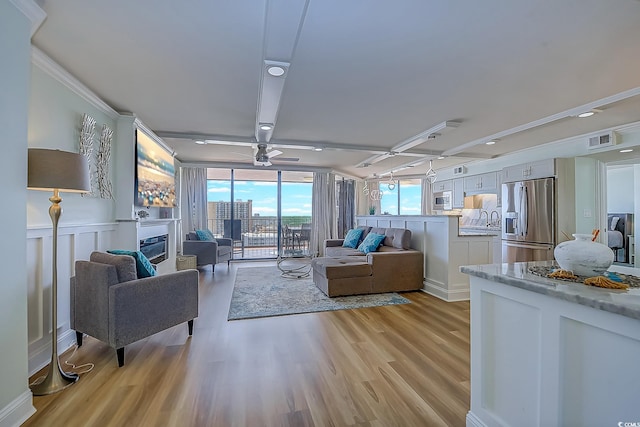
point(75, 242)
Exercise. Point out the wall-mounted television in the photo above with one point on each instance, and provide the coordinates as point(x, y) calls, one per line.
point(155, 173)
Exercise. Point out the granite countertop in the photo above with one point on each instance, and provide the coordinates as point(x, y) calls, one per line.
point(622, 302)
point(478, 230)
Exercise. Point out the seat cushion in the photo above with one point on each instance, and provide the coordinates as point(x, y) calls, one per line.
point(339, 251)
point(125, 265)
point(339, 268)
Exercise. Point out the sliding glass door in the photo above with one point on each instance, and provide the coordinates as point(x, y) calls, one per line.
point(265, 212)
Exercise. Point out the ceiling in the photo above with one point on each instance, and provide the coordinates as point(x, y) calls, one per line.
point(364, 76)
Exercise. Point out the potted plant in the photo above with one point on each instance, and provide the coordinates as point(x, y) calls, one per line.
point(372, 210)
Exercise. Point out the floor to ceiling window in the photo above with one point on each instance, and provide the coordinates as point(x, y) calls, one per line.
point(265, 212)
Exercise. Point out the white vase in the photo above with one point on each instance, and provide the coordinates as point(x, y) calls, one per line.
point(583, 257)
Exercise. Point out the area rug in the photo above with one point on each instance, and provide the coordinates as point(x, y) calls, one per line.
point(263, 292)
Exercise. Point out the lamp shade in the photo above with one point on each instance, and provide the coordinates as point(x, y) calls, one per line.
point(56, 169)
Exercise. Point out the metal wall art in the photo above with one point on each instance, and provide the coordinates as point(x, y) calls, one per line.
point(87, 134)
point(102, 163)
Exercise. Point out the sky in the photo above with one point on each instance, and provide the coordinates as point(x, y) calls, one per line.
point(296, 197)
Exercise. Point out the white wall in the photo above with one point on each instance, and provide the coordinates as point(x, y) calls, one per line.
point(620, 194)
point(15, 48)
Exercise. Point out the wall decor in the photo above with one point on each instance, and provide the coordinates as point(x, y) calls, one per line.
point(102, 163)
point(87, 134)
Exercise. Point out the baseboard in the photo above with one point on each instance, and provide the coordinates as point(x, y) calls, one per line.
point(40, 357)
point(473, 421)
point(449, 295)
point(18, 411)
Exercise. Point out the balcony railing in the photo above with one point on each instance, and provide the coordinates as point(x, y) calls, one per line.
point(259, 236)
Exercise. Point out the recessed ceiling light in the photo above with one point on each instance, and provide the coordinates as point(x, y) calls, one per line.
point(586, 114)
point(266, 126)
point(490, 142)
point(317, 148)
point(199, 141)
point(275, 70)
point(441, 158)
point(626, 150)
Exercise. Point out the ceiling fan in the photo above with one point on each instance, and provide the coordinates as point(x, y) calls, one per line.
point(263, 157)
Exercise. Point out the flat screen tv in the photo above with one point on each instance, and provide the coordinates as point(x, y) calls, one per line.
point(155, 173)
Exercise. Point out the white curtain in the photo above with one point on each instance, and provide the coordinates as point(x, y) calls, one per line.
point(323, 211)
point(194, 196)
point(427, 195)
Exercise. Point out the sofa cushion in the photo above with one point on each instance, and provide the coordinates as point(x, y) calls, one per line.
point(124, 264)
point(371, 242)
point(352, 238)
point(144, 268)
point(205, 235)
point(339, 251)
point(398, 238)
point(338, 268)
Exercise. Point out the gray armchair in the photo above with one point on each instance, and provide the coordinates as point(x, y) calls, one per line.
point(109, 302)
point(208, 251)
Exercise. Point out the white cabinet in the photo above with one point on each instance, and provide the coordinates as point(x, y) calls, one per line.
point(445, 185)
point(497, 249)
point(499, 188)
point(458, 193)
point(483, 183)
point(532, 170)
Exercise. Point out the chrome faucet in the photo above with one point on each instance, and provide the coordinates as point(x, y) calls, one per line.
point(487, 214)
point(497, 221)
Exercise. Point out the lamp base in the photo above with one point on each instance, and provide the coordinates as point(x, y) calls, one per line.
point(55, 380)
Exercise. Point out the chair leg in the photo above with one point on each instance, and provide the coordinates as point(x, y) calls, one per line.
point(79, 338)
point(190, 325)
point(120, 353)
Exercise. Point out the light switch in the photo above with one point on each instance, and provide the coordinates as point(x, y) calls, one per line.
point(587, 213)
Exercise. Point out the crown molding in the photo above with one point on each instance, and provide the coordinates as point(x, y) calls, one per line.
point(32, 11)
point(55, 70)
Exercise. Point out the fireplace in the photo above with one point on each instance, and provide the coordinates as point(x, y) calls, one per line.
point(155, 248)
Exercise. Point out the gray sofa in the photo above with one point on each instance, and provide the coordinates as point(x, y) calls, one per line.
point(109, 302)
point(208, 251)
point(347, 271)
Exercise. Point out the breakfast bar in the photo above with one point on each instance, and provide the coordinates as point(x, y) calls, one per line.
point(548, 352)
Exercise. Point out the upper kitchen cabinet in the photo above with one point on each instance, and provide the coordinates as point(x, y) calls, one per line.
point(483, 183)
point(446, 185)
point(458, 193)
point(532, 170)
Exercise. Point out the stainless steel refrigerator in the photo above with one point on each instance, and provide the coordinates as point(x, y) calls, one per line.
point(528, 220)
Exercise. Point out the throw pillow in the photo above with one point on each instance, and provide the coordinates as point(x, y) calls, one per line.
point(371, 243)
point(352, 238)
point(144, 268)
point(205, 235)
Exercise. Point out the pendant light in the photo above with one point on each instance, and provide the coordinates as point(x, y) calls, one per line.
point(431, 174)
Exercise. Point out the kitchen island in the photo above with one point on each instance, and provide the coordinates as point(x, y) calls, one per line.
point(546, 352)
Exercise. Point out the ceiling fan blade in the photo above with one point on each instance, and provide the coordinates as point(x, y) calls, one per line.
point(274, 153)
point(288, 159)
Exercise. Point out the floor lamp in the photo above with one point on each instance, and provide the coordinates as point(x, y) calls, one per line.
point(55, 170)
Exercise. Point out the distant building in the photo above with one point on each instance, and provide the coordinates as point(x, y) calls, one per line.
point(219, 211)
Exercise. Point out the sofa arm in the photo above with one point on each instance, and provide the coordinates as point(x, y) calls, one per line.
point(143, 307)
point(400, 270)
point(223, 241)
point(206, 251)
point(328, 243)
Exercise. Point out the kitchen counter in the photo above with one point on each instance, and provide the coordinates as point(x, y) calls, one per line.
point(623, 302)
point(477, 230)
point(547, 352)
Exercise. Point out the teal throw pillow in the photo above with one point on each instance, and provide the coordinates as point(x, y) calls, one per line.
point(205, 235)
point(352, 238)
point(371, 243)
point(144, 268)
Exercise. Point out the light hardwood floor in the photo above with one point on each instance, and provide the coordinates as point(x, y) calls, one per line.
point(403, 365)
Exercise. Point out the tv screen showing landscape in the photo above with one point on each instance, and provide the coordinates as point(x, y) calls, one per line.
point(155, 173)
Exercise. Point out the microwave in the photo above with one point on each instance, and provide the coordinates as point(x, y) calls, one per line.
point(442, 201)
